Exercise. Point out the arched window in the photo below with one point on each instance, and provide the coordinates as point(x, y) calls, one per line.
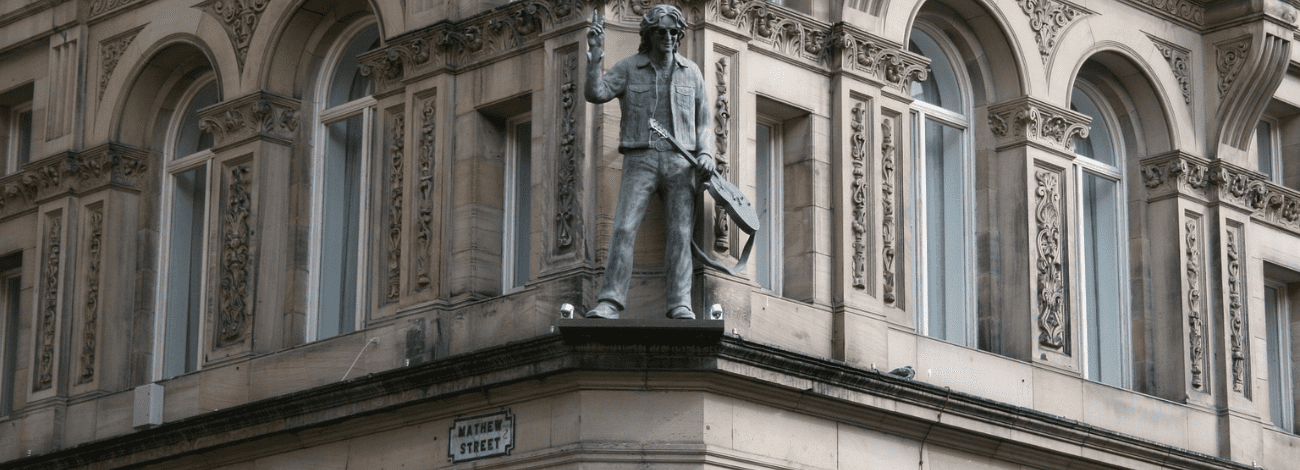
point(340, 165)
point(944, 182)
point(1103, 240)
point(185, 207)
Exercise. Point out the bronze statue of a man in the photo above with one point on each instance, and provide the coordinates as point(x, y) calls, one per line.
point(657, 83)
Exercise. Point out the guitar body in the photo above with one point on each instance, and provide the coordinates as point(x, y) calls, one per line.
point(734, 202)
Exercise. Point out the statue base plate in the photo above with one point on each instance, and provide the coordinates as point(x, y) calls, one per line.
point(640, 331)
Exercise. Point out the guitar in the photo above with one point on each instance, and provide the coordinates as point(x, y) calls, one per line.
point(726, 195)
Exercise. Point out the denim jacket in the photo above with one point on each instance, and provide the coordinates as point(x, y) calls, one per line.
point(632, 80)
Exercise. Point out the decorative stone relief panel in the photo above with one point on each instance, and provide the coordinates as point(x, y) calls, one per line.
point(1222, 182)
point(424, 213)
point(103, 7)
point(1187, 12)
point(1052, 319)
point(235, 294)
point(1179, 59)
point(61, 104)
point(387, 66)
point(1048, 19)
point(1176, 173)
point(1035, 121)
point(1244, 70)
point(1195, 319)
point(1236, 309)
point(1229, 58)
point(110, 51)
point(396, 157)
point(49, 303)
point(722, 135)
point(781, 29)
point(239, 18)
point(567, 211)
point(858, 191)
point(258, 114)
point(888, 227)
point(54, 176)
point(90, 317)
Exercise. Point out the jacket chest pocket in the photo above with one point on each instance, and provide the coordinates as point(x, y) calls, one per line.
point(684, 96)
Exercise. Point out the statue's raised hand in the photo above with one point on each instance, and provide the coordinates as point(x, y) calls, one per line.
point(596, 34)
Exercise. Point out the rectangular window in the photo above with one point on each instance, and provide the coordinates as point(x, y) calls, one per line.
point(1281, 392)
point(518, 210)
point(947, 290)
point(768, 202)
point(10, 289)
point(17, 142)
point(1103, 303)
point(1267, 152)
point(340, 245)
point(184, 275)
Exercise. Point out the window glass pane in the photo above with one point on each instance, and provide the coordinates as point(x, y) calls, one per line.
point(348, 84)
point(340, 227)
point(523, 199)
point(940, 89)
point(945, 232)
point(1101, 245)
point(1264, 147)
point(764, 274)
point(1279, 361)
point(184, 273)
point(11, 287)
point(1098, 145)
point(24, 138)
point(189, 138)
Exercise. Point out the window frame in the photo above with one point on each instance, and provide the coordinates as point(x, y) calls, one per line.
point(1275, 149)
point(921, 113)
point(510, 210)
point(324, 117)
point(10, 326)
point(1083, 166)
point(13, 162)
point(1281, 391)
point(173, 166)
point(773, 258)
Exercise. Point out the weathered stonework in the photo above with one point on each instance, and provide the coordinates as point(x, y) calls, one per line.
point(1035, 121)
point(44, 377)
point(1048, 19)
point(397, 156)
point(236, 258)
point(722, 133)
point(424, 217)
point(110, 51)
point(878, 60)
point(1179, 59)
point(240, 19)
point(858, 192)
point(887, 228)
point(1229, 59)
point(258, 114)
point(1195, 322)
point(567, 176)
point(95, 167)
point(1187, 12)
point(100, 8)
point(90, 317)
point(1236, 314)
point(1052, 319)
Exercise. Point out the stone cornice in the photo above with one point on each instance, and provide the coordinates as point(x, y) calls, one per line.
point(100, 9)
point(1188, 13)
point(1030, 120)
point(258, 114)
point(748, 370)
point(1179, 174)
point(878, 60)
point(72, 172)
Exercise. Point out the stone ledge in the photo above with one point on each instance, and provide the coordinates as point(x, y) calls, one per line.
point(640, 331)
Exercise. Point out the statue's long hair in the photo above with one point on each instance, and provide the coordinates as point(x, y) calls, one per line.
point(653, 18)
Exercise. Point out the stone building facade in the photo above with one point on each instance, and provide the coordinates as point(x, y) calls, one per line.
point(256, 234)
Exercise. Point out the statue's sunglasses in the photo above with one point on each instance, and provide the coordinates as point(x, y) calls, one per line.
point(671, 32)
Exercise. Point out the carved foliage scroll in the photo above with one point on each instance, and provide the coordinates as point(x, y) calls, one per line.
point(1048, 18)
point(397, 155)
point(1236, 315)
point(1179, 59)
point(1039, 122)
point(424, 218)
point(722, 132)
point(110, 52)
point(239, 18)
point(858, 192)
point(90, 318)
point(567, 211)
point(1195, 321)
point(887, 206)
point(1229, 59)
point(1052, 322)
point(236, 257)
point(102, 7)
point(49, 305)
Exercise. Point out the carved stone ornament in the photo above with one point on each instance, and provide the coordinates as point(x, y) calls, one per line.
point(1222, 182)
point(1236, 317)
point(878, 60)
point(1187, 12)
point(1179, 59)
point(387, 66)
point(105, 164)
point(110, 51)
point(397, 155)
point(239, 18)
point(567, 211)
point(1028, 119)
point(1195, 323)
point(90, 318)
point(424, 219)
point(49, 305)
point(1048, 18)
point(722, 134)
point(887, 229)
point(780, 29)
point(1052, 321)
point(259, 114)
point(1176, 173)
point(1229, 58)
point(103, 7)
point(236, 258)
point(858, 192)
